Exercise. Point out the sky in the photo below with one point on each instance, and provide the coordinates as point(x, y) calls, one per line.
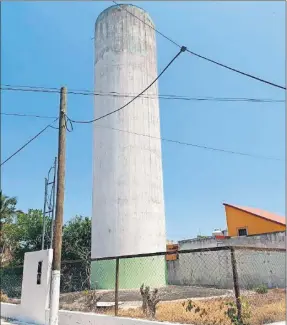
point(49, 44)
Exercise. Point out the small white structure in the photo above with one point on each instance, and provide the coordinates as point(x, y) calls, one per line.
point(35, 289)
point(217, 232)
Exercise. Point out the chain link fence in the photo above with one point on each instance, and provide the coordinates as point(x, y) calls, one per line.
point(11, 281)
point(220, 285)
point(75, 276)
point(262, 283)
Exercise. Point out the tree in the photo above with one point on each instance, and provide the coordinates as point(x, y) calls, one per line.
point(8, 212)
point(77, 239)
point(20, 233)
point(7, 208)
point(76, 247)
point(25, 233)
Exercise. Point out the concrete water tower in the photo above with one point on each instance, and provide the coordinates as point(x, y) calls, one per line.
point(128, 205)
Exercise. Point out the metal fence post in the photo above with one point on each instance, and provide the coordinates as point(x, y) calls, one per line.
point(236, 285)
point(117, 287)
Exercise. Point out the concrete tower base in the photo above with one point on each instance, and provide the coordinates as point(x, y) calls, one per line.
point(133, 272)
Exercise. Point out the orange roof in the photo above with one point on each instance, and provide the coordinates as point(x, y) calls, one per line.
point(260, 213)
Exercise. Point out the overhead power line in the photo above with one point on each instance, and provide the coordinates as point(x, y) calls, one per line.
point(134, 98)
point(149, 96)
point(26, 144)
point(27, 115)
point(201, 56)
point(196, 145)
point(162, 139)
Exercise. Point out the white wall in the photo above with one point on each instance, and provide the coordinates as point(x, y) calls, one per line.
point(34, 297)
point(201, 269)
point(128, 205)
point(213, 268)
point(11, 311)
point(271, 240)
point(75, 318)
point(261, 267)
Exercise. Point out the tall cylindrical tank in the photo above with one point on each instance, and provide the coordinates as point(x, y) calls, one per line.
point(128, 206)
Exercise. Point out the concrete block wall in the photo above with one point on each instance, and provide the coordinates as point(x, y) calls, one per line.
point(261, 268)
point(214, 269)
point(201, 269)
point(271, 240)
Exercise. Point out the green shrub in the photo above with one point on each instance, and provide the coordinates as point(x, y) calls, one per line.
point(262, 289)
point(232, 312)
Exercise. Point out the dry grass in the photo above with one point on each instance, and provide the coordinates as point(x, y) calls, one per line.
point(3, 297)
point(265, 308)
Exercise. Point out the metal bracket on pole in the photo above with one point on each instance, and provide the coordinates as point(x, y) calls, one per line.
point(49, 203)
point(44, 215)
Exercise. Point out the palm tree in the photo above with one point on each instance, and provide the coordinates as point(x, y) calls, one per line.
point(7, 208)
point(7, 214)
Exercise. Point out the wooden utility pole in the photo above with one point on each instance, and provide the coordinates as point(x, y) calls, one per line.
point(57, 242)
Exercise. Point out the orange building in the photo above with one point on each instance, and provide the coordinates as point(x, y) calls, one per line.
point(243, 221)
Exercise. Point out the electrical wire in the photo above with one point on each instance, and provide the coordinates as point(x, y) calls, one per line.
point(196, 145)
point(151, 96)
point(66, 122)
point(33, 87)
point(171, 140)
point(26, 144)
point(134, 98)
point(27, 115)
point(150, 26)
point(201, 56)
point(236, 70)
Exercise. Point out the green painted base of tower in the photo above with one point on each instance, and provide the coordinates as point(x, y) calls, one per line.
point(133, 272)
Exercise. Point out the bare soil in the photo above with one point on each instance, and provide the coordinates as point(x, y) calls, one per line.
point(263, 308)
point(258, 309)
point(168, 293)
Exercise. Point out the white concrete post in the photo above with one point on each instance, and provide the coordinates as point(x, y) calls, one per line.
point(55, 294)
point(36, 285)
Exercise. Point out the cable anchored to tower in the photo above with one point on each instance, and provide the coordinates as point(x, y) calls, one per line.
point(201, 56)
point(183, 48)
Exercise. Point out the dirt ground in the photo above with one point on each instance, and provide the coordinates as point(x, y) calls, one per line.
point(167, 294)
point(257, 309)
point(76, 300)
point(211, 305)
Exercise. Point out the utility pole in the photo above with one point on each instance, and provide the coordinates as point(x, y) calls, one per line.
point(57, 242)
